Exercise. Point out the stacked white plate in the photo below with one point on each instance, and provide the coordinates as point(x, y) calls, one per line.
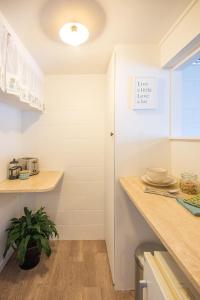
point(169, 180)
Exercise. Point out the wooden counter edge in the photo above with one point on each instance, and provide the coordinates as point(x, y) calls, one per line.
point(124, 184)
point(34, 190)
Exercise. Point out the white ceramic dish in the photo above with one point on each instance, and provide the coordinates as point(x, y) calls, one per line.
point(156, 175)
point(172, 181)
point(166, 180)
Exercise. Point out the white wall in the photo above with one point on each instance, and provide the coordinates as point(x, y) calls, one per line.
point(70, 136)
point(10, 147)
point(141, 142)
point(185, 157)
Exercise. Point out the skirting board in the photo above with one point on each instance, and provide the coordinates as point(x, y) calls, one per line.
point(6, 259)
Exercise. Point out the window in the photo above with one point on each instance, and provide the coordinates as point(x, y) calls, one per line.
point(185, 104)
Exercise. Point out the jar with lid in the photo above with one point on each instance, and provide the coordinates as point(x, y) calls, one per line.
point(189, 183)
point(13, 169)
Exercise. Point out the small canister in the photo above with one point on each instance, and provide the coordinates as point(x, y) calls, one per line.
point(13, 169)
point(189, 183)
point(24, 174)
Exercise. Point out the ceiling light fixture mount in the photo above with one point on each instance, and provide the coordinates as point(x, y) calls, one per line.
point(74, 33)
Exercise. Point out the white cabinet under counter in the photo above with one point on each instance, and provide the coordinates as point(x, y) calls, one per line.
point(163, 280)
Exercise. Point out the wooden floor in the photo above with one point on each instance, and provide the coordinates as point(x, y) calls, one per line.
point(77, 270)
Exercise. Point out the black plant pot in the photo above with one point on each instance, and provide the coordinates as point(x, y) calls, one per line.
point(32, 258)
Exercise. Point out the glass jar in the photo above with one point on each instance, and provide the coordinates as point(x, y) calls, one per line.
point(189, 183)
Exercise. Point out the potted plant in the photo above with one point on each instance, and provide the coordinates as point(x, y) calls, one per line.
point(29, 236)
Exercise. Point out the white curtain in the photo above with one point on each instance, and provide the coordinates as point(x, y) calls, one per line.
point(23, 80)
point(3, 48)
point(12, 69)
point(18, 75)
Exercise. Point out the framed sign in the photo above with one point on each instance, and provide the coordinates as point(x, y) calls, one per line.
point(145, 93)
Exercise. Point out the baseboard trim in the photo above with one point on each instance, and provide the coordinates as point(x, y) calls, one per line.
point(4, 261)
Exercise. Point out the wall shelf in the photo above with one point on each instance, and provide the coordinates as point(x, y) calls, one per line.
point(45, 181)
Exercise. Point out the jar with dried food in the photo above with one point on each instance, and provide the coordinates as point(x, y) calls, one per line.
point(189, 183)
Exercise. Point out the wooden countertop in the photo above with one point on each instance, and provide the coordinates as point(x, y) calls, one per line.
point(43, 182)
point(176, 227)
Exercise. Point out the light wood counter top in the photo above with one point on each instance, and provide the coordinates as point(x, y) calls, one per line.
point(43, 182)
point(176, 227)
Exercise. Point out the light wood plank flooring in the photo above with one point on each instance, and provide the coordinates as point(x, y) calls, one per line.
point(77, 270)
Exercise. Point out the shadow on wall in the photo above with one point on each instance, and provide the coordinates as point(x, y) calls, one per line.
point(8, 116)
point(154, 153)
point(9, 209)
point(50, 200)
point(137, 156)
point(132, 230)
point(33, 116)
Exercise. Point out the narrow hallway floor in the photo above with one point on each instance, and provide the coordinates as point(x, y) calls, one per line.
point(76, 270)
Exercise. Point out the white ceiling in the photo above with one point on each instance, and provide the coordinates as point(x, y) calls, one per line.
point(126, 21)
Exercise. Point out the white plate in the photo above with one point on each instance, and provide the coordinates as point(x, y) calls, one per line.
point(146, 180)
point(167, 180)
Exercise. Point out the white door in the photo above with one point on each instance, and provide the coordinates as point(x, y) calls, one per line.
point(110, 163)
point(157, 288)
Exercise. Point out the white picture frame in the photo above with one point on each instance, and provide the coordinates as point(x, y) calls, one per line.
point(144, 93)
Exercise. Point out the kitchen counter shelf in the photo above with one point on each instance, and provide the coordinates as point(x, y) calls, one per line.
point(176, 228)
point(45, 181)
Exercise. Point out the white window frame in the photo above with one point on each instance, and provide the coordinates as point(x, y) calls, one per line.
point(186, 61)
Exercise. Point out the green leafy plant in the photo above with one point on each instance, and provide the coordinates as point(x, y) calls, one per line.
point(31, 229)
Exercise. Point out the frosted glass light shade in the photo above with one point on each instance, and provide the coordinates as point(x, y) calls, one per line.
point(73, 34)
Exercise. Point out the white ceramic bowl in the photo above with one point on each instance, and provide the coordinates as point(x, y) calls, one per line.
point(156, 175)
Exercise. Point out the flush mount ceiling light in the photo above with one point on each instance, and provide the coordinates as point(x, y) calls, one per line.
point(58, 17)
point(74, 34)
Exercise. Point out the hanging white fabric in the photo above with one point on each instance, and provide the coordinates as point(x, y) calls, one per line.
point(23, 80)
point(12, 69)
point(3, 49)
point(19, 74)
